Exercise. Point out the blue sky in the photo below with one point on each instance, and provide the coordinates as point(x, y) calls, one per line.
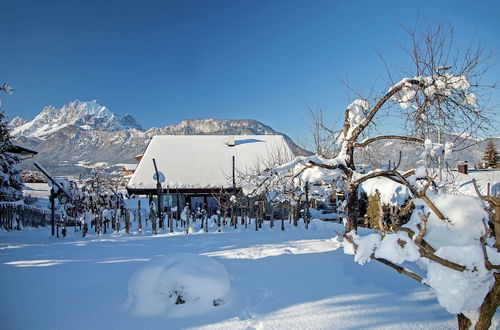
point(164, 61)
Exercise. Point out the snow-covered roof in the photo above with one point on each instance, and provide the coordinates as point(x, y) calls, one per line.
point(484, 178)
point(129, 167)
point(23, 150)
point(205, 161)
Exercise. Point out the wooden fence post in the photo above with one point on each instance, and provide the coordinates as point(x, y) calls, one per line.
point(139, 225)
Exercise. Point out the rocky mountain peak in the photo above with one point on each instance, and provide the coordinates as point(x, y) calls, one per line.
point(17, 121)
point(89, 115)
point(216, 126)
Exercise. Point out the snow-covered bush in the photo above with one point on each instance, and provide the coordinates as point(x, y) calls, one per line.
point(179, 284)
point(448, 251)
point(33, 177)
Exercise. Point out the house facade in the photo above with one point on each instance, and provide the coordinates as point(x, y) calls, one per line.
point(196, 169)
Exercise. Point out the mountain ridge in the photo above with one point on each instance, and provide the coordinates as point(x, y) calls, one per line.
point(86, 114)
point(87, 132)
point(64, 143)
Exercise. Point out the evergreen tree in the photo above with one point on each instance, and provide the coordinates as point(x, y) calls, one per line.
point(491, 158)
point(4, 131)
point(11, 184)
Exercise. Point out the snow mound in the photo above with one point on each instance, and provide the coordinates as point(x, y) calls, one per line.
point(460, 291)
point(178, 285)
point(391, 192)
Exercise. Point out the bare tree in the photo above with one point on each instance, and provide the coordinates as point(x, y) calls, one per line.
point(457, 112)
point(442, 97)
point(323, 137)
point(442, 94)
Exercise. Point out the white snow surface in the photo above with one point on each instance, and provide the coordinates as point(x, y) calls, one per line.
point(459, 291)
point(201, 282)
point(40, 191)
point(455, 239)
point(292, 279)
point(205, 161)
point(391, 192)
point(464, 226)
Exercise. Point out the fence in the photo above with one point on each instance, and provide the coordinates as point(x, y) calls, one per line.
point(17, 216)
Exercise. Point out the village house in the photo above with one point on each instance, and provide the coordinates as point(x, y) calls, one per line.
point(195, 168)
point(23, 151)
point(128, 169)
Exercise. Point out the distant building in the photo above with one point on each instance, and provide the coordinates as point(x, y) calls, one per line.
point(128, 169)
point(195, 167)
point(463, 167)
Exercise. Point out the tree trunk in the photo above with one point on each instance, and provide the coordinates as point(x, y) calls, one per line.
point(489, 306)
point(127, 222)
point(463, 322)
point(352, 208)
point(496, 225)
point(152, 214)
point(271, 218)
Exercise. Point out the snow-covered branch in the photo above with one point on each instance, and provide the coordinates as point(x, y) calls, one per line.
point(367, 141)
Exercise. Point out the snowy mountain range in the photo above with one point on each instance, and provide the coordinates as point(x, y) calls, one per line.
point(85, 133)
point(87, 115)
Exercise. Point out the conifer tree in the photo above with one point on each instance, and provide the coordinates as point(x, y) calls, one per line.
point(11, 185)
point(491, 158)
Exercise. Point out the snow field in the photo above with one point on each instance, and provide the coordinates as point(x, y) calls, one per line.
point(199, 283)
point(292, 279)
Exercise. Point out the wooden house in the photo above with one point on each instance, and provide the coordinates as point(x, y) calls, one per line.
point(196, 167)
point(128, 169)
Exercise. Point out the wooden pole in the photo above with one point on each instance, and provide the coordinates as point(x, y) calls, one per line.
point(158, 195)
point(234, 179)
point(52, 210)
point(256, 220)
point(283, 217)
point(169, 207)
point(139, 225)
point(188, 214)
point(306, 214)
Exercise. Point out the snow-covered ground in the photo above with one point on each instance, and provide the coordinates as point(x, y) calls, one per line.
point(40, 191)
point(296, 279)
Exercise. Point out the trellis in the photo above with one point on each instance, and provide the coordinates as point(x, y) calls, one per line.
point(14, 216)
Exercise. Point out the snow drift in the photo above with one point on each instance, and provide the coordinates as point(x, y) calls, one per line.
point(177, 285)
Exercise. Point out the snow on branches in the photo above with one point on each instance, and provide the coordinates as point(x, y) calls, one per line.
point(11, 184)
point(434, 88)
point(356, 114)
point(449, 252)
point(287, 182)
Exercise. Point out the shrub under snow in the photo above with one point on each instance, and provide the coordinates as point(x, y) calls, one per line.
point(455, 239)
point(178, 284)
